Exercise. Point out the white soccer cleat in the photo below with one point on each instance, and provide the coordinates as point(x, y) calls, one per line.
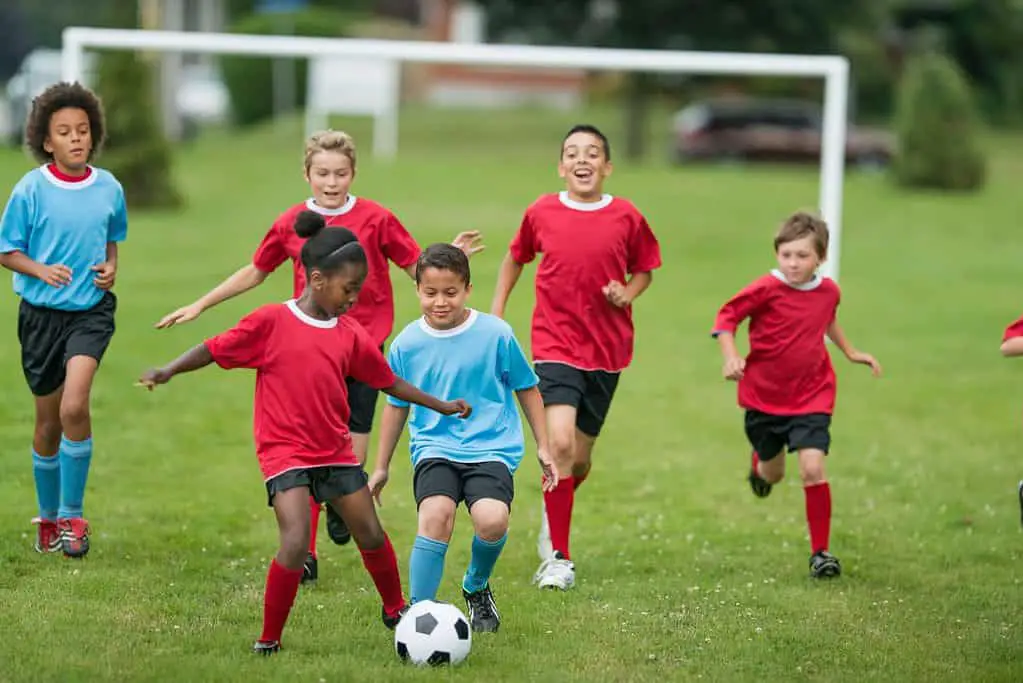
point(544, 548)
point(557, 572)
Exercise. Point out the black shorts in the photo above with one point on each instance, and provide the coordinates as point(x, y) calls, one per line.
point(49, 338)
point(463, 481)
point(362, 402)
point(324, 483)
point(588, 391)
point(769, 434)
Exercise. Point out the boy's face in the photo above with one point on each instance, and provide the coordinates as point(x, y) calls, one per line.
point(442, 297)
point(798, 260)
point(69, 140)
point(338, 291)
point(330, 176)
point(584, 166)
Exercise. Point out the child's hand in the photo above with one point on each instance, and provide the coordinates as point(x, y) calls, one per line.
point(151, 378)
point(734, 368)
point(616, 294)
point(550, 472)
point(182, 315)
point(105, 274)
point(457, 407)
point(377, 482)
point(866, 359)
point(469, 242)
point(55, 276)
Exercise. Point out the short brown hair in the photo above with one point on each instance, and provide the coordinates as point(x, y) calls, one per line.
point(802, 224)
point(62, 96)
point(329, 141)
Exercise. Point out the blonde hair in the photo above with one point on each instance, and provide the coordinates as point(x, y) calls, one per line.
point(804, 224)
point(329, 141)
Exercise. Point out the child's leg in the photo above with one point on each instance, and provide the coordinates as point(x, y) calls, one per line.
point(490, 522)
point(818, 497)
point(291, 507)
point(75, 453)
point(46, 469)
point(426, 563)
point(561, 434)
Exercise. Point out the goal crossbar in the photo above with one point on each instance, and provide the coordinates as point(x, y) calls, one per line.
point(832, 68)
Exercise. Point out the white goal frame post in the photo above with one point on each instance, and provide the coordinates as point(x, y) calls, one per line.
point(833, 69)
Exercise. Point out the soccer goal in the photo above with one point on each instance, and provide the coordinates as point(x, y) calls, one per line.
point(833, 69)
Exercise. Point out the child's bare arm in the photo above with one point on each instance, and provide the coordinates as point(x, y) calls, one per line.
point(392, 423)
point(735, 364)
point(836, 335)
point(1012, 346)
point(532, 407)
point(195, 358)
point(623, 295)
point(507, 276)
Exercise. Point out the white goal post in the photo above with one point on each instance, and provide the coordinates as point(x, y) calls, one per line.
point(833, 69)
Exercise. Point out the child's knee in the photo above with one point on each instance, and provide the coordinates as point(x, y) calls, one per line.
point(811, 467)
point(48, 429)
point(294, 547)
point(490, 519)
point(437, 517)
point(74, 410)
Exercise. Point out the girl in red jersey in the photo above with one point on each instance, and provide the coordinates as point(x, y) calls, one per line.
point(330, 171)
point(303, 351)
point(1012, 345)
point(786, 382)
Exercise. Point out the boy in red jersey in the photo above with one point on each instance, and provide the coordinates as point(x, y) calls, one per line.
point(302, 351)
point(598, 257)
point(786, 382)
point(1012, 345)
point(330, 171)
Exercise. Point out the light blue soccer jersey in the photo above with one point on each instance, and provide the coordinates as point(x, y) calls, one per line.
point(479, 361)
point(53, 222)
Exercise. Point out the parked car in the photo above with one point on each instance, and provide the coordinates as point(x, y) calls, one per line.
point(767, 130)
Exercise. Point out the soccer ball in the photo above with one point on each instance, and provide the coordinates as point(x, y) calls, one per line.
point(433, 633)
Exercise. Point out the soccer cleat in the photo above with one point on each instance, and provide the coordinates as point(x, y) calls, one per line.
point(482, 610)
point(543, 541)
point(47, 536)
point(310, 570)
point(74, 537)
point(266, 647)
point(761, 487)
point(556, 572)
point(390, 621)
point(824, 565)
point(1020, 492)
point(336, 527)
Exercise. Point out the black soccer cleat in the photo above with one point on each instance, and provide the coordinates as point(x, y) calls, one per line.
point(310, 570)
point(266, 647)
point(336, 527)
point(392, 622)
point(760, 486)
point(824, 565)
point(483, 613)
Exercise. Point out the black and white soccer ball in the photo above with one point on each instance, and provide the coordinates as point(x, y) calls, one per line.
point(433, 633)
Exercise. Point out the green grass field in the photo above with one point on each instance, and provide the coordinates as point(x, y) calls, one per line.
point(683, 575)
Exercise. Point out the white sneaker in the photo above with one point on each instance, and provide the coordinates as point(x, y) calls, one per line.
point(557, 572)
point(543, 541)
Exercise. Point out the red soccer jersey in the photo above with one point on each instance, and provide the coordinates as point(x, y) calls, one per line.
point(1013, 330)
point(584, 247)
point(301, 409)
point(788, 369)
point(382, 236)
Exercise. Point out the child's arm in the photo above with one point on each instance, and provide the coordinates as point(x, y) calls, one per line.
point(404, 391)
point(392, 422)
point(621, 295)
point(507, 276)
point(195, 358)
point(1013, 346)
point(735, 364)
point(532, 406)
point(836, 335)
point(106, 272)
point(15, 230)
point(17, 261)
point(729, 317)
point(241, 281)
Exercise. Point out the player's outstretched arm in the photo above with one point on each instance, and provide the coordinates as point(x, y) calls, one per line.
point(836, 335)
point(242, 280)
point(406, 392)
point(507, 275)
point(1013, 346)
point(532, 408)
point(195, 358)
point(392, 422)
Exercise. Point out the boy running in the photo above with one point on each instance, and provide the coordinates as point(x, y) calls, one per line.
point(1012, 345)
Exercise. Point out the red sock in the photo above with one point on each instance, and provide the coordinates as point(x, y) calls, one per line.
point(818, 515)
point(559, 513)
point(281, 588)
point(578, 479)
point(382, 565)
point(756, 464)
point(314, 523)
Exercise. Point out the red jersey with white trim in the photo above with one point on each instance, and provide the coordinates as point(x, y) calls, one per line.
point(584, 247)
point(788, 369)
point(301, 412)
point(381, 235)
point(1013, 330)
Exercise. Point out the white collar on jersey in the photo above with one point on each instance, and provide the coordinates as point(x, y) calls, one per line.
point(339, 211)
point(813, 283)
point(454, 331)
point(64, 184)
point(585, 206)
point(292, 305)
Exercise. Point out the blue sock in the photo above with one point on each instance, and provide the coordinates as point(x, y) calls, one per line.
point(484, 557)
point(47, 474)
point(425, 568)
point(75, 457)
